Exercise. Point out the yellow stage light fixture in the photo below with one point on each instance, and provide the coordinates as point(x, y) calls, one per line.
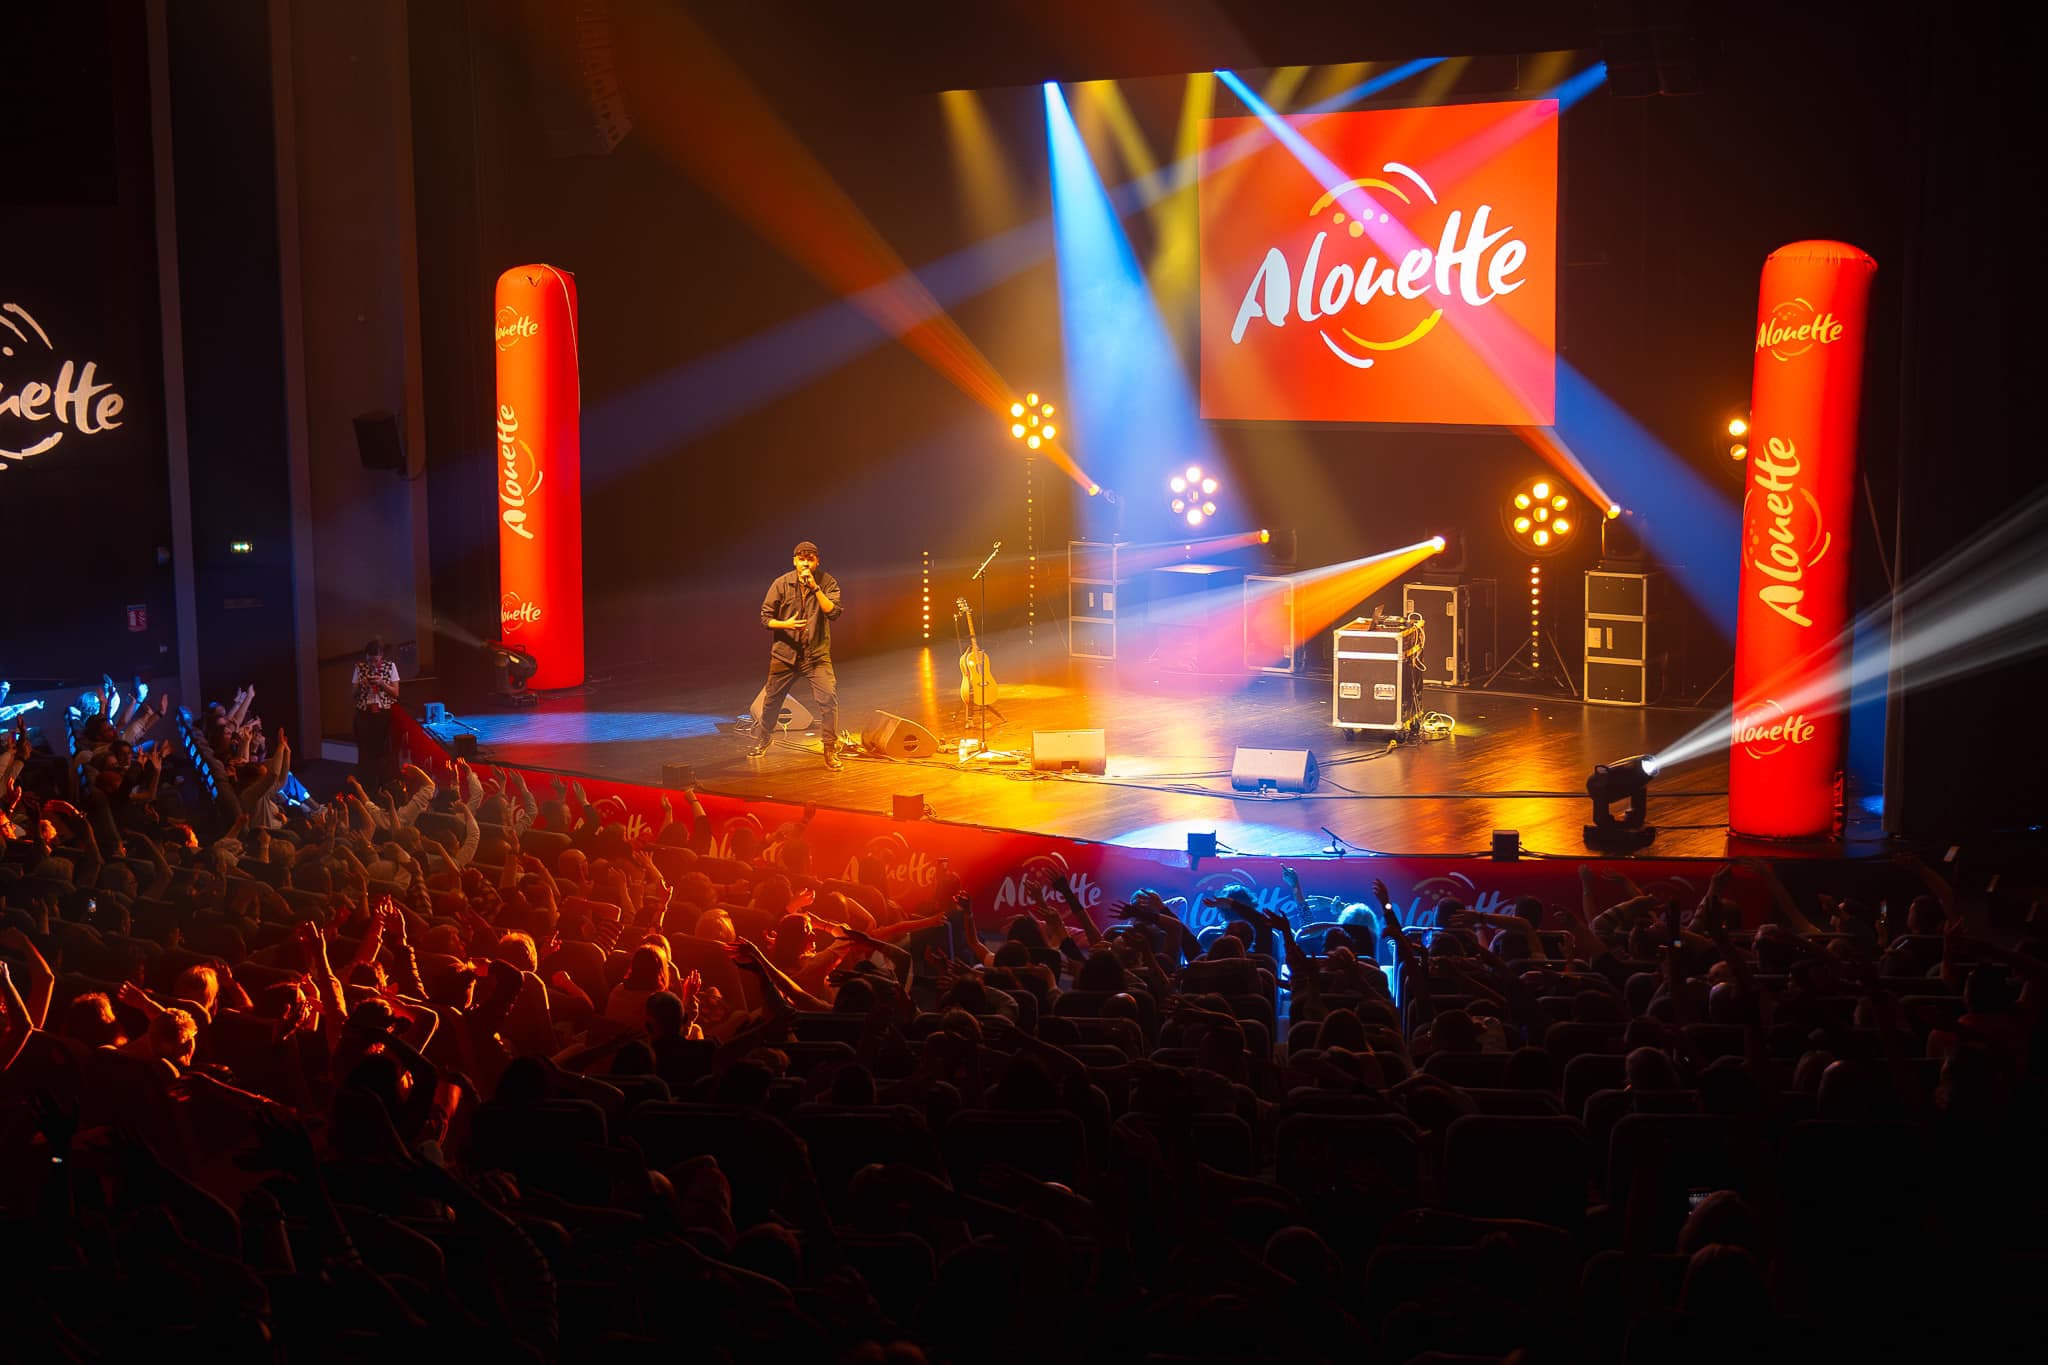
point(1208, 485)
point(1738, 426)
point(1738, 451)
point(1049, 431)
point(1533, 517)
point(1016, 409)
point(1177, 484)
point(1017, 430)
point(1194, 516)
point(1032, 440)
point(1613, 510)
point(1265, 537)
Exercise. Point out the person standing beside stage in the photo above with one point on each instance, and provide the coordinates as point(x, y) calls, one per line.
point(799, 608)
point(375, 685)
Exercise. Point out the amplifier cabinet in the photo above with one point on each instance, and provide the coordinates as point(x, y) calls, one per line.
point(1375, 684)
point(1458, 621)
point(1621, 668)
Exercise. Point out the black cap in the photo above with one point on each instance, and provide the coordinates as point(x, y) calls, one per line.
point(804, 547)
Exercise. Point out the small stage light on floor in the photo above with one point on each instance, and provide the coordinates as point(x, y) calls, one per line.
point(1200, 846)
point(911, 807)
point(465, 748)
point(515, 667)
point(1626, 780)
point(1507, 846)
point(678, 776)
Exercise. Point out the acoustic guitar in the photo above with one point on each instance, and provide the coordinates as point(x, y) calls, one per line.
point(977, 680)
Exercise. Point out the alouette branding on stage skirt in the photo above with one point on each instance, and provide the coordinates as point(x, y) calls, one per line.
point(539, 476)
point(1792, 636)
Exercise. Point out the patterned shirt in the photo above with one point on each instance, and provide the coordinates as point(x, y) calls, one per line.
point(368, 674)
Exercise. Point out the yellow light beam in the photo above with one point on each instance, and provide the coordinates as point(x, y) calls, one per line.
point(981, 165)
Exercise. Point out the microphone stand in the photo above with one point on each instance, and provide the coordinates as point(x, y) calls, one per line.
point(981, 577)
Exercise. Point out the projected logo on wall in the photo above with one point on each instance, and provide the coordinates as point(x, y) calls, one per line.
point(1419, 284)
point(41, 400)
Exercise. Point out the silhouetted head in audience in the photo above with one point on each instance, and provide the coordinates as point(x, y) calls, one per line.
point(1012, 954)
point(772, 1250)
point(1647, 1068)
point(745, 1083)
point(1974, 1085)
point(1809, 1069)
point(1304, 1257)
point(1025, 930)
point(1728, 1088)
point(1855, 1090)
point(1530, 1068)
point(1228, 945)
point(853, 1086)
point(1342, 1028)
point(634, 1058)
point(89, 1019)
point(1925, 916)
point(1988, 989)
point(665, 1015)
point(1101, 972)
point(1725, 1284)
point(1723, 1217)
point(1122, 1005)
point(1454, 1031)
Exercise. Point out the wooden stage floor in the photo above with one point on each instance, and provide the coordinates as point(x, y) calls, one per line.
point(1515, 761)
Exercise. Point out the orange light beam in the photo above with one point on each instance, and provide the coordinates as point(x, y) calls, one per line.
point(765, 174)
point(1320, 597)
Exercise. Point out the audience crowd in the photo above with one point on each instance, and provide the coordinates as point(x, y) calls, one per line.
point(463, 1067)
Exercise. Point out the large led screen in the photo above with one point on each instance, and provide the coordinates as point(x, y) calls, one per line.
point(1395, 265)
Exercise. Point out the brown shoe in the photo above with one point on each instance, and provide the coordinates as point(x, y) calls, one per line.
point(833, 760)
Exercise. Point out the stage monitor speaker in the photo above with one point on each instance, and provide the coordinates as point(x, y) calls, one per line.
point(465, 747)
point(907, 807)
point(377, 442)
point(678, 776)
point(897, 736)
point(1085, 751)
point(1287, 770)
point(795, 715)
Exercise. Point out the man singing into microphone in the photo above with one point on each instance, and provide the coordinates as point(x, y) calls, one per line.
point(799, 609)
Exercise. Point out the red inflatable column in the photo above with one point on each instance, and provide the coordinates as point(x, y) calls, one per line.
point(1792, 636)
point(540, 493)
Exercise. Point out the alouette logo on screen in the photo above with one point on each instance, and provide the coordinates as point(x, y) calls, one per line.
point(1794, 328)
point(72, 399)
point(1473, 262)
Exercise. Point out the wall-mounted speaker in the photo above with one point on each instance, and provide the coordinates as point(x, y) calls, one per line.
point(378, 443)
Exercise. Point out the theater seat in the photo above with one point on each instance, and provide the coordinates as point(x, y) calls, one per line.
point(1498, 1166)
point(1051, 1146)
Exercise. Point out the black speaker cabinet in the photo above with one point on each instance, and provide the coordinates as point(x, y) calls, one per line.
point(378, 443)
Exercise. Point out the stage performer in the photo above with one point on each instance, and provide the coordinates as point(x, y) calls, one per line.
point(799, 609)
